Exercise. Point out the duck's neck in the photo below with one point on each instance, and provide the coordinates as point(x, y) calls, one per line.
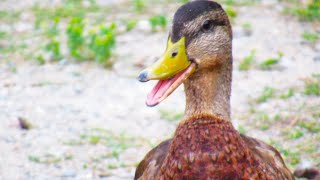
point(208, 92)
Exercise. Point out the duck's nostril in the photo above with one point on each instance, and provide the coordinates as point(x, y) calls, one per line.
point(143, 76)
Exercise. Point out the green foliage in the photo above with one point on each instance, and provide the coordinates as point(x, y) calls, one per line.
point(9, 15)
point(311, 37)
point(3, 34)
point(183, 1)
point(313, 126)
point(267, 93)
point(231, 12)
point(240, 2)
point(294, 133)
point(53, 46)
point(247, 26)
point(138, 5)
point(117, 143)
point(76, 40)
point(67, 9)
point(158, 21)
point(247, 62)
point(309, 12)
point(292, 156)
point(131, 24)
point(312, 85)
point(263, 119)
point(242, 130)
point(287, 95)
point(102, 42)
point(45, 159)
point(269, 63)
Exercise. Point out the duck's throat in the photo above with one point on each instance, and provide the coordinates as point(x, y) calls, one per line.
point(208, 92)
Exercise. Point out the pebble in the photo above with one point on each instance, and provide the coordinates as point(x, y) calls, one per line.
point(69, 173)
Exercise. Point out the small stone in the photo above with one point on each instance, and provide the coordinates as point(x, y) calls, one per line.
point(24, 123)
point(69, 173)
point(317, 58)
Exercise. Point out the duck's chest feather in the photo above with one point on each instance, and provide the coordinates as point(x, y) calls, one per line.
point(210, 148)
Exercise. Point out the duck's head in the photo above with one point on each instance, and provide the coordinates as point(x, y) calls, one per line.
point(200, 39)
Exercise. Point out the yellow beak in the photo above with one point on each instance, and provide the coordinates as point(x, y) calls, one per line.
point(172, 62)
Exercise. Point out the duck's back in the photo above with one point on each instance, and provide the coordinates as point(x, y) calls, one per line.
point(210, 148)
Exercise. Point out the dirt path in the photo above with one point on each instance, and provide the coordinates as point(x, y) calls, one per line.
point(89, 122)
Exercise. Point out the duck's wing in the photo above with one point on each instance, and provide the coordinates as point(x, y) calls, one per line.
point(151, 163)
point(269, 155)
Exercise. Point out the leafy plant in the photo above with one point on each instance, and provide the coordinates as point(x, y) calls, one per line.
point(312, 85)
point(269, 63)
point(130, 24)
point(76, 40)
point(231, 12)
point(247, 62)
point(309, 12)
point(102, 42)
point(158, 21)
point(311, 37)
point(287, 95)
point(53, 46)
point(138, 5)
point(267, 93)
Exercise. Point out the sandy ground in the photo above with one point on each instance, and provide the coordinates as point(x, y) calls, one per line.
point(90, 122)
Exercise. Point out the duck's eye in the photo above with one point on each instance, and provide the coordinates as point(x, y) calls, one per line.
point(207, 25)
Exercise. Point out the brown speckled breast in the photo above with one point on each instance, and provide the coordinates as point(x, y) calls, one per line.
point(208, 147)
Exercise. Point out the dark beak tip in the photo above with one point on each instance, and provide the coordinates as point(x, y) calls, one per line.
point(143, 77)
point(151, 105)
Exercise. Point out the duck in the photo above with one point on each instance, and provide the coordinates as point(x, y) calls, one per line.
point(205, 144)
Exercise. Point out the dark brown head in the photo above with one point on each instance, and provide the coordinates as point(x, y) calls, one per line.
point(200, 38)
point(207, 30)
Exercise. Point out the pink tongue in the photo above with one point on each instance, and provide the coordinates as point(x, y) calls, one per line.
point(158, 91)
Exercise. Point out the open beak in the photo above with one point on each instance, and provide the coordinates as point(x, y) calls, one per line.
point(172, 69)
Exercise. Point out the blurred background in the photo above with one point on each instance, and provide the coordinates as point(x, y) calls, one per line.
point(71, 107)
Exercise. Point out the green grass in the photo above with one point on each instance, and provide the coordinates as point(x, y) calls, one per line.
point(271, 62)
point(116, 143)
point(47, 159)
point(9, 16)
point(3, 35)
point(288, 94)
point(267, 94)
point(247, 62)
point(313, 126)
point(158, 21)
point(231, 12)
point(240, 2)
point(312, 85)
point(292, 155)
point(242, 129)
point(76, 39)
point(102, 42)
point(294, 133)
point(53, 45)
point(307, 12)
point(131, 24)
point(311, 37)
point(138, 5)
point(263, 121)
point(67, 9)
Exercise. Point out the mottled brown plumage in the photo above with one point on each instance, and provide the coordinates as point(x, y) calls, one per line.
point(207, 147)
point(205, 144)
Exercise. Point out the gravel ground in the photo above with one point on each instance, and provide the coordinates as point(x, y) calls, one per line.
point(89, 122)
